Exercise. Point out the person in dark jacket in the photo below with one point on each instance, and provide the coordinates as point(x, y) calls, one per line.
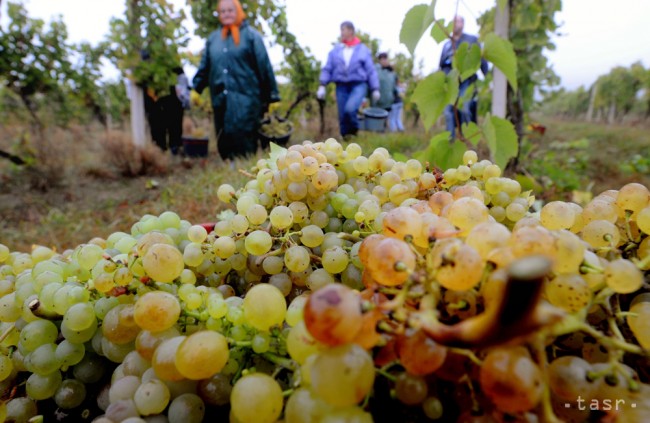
point(165, 113)
point(164, 109)
point(350, 66)
point(454, 118)
point(387, 83)
point(236, 67)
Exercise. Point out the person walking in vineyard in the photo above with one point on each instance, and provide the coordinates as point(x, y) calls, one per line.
point(236, 67)
point(387, 83)
point(395, 116)
point(164, 109)
point(350, 66)
point(454, 116)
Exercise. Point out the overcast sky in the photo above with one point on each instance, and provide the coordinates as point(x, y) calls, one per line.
point(596, 34)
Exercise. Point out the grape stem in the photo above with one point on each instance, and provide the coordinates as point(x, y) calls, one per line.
point(467, 353)
point(643, 263)
point(590, 268)
point(281, 361)
point(193, 314)
point(632, 384)
point(475, 404)
point(385, 374)
point(628, 229)
point(349, 237)
point(287, 393)
point(246, 173)
point(609, 342)
point(623, 314)
point(539, 353)
point(399, 299)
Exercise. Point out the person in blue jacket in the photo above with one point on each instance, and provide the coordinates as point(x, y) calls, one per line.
point(468, 113)
point(236, 67)
point(350, 66)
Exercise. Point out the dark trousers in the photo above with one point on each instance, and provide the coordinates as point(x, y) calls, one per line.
point(233, 144)
point(166, 123)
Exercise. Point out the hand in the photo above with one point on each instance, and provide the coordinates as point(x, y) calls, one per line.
point(320, 94)
point(376, 95)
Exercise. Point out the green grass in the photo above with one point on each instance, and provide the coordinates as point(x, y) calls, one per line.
point(585, 156)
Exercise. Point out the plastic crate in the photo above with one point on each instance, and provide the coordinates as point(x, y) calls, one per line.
point(195, 147)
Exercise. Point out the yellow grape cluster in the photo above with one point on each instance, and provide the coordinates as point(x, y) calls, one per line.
point(340, 287)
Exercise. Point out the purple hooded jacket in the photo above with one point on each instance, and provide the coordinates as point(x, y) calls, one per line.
point(361, 68)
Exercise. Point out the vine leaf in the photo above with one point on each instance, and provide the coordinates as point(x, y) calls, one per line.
point(471, 132)
point(276, 151)
point(501, 139)
point(415, 23)
point(433, 93)
point(499, 51)
point(442, 152)
point(529, 18)
point(467, 60)
point(440, 32)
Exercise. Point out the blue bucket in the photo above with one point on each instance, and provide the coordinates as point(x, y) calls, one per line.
point(375, 119)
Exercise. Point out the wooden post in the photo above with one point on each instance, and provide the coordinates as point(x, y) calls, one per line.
point(499, 82)
point(138, 128)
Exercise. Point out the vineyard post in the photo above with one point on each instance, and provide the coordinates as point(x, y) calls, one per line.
point(138, 130)
point(500, 83)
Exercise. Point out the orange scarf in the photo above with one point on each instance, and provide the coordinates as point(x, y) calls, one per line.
point(233, 29)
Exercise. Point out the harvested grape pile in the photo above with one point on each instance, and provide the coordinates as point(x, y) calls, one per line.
point(276, 128)
point(341, 288)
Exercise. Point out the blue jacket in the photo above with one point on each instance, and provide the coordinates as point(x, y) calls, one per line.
point(240, 78)
point(361, 68)
point(448, 51)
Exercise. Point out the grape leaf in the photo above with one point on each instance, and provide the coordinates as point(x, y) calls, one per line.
point(500, 52)
point(440, 32)
point(443, 153)
point(276, 151)
point(433, 93)
point(471, 132)
point(415, 23)
point(501, 139)
point(467, 60)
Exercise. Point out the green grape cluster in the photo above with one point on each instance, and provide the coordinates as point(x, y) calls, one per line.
point(340, 287)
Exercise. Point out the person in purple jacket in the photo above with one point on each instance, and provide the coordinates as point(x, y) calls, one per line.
point(350, 66)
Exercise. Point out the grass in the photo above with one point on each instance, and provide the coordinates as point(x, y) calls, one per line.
point(92, 199)
point(581, 156)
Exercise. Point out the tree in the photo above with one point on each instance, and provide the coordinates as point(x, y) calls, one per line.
point(145, 45)
point(34, 60)
point(617, 92)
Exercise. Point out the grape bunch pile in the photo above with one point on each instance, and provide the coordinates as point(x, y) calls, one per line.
point(340, 287)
